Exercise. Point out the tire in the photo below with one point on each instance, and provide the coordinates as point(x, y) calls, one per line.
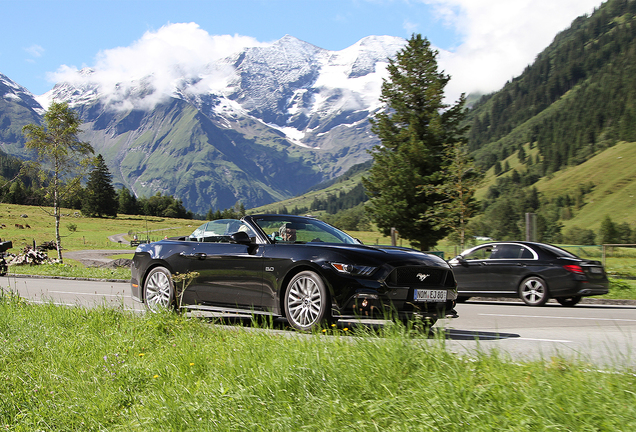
point(534, 291)
point(568, 301)
point(159, 290)
point(307, 303)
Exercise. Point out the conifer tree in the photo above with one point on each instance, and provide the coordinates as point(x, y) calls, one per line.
point(414, 130)
point(127, 202)
point(457, 192)
point(101, 197)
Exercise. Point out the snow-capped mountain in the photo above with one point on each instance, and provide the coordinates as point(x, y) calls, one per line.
point(265, 123)
point(291, 85)
point(13, 92)
point(18, 107)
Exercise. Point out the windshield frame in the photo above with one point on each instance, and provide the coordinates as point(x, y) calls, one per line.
point(264, 222)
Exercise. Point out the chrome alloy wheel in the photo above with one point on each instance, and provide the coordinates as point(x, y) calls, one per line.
point(306, 301)
point(534, 291)
point(158, 289)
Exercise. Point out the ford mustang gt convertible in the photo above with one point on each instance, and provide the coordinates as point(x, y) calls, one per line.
point(295, 267)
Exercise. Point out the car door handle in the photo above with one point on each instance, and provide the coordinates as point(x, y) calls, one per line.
point(196, 255)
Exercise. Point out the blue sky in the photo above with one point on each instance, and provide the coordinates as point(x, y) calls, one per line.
point(482, 43)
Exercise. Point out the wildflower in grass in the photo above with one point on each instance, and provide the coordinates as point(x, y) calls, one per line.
point(155, 376)
point(191, 364)
point(324, 330)
point(141, 354)
point(345, 329)
point(333, 325)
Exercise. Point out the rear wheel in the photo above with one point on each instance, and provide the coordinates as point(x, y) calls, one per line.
point(534, 291)
point(306, 301)
point(159, 289)
point(569, 301)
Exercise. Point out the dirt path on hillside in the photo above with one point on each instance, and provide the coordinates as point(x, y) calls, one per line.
point(100, 257)
point(96, 258)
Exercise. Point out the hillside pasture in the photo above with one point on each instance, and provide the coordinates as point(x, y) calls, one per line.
point(24, 225)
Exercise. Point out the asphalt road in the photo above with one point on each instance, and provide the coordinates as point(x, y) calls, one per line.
point(73, 292)
point(600, 334)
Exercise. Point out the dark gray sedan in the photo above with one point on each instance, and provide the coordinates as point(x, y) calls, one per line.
point(534, 272)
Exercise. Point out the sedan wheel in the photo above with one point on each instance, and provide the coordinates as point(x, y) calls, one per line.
point(534, 291)
point(569, 301)
point(306, 301)
point(158, 289)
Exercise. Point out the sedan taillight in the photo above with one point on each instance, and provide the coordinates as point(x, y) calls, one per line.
point(573, 268)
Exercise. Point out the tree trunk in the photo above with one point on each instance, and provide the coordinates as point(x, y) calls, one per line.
point(57, 215)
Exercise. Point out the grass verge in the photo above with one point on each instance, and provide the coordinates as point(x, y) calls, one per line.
point(71, 270)
point(65, 368)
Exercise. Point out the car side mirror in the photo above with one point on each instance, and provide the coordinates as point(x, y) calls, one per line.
point(240, 237)
point(458, 260)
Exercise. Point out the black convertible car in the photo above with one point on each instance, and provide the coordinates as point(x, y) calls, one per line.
point(297, 267)
point(531, 271)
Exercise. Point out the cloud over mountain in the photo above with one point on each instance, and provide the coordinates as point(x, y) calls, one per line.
point(160, 61)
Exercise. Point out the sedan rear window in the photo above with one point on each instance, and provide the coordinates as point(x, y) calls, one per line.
point(557, 251)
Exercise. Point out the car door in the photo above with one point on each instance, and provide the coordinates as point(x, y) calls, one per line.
point(470, 270)
point(229, 274)
point(505, 266)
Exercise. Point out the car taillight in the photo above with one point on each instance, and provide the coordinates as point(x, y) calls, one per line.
point(573, 268)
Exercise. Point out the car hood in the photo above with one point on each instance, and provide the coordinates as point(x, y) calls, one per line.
point(386, 254)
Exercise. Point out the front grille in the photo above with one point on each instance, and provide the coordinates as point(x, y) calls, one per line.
point(417, 276)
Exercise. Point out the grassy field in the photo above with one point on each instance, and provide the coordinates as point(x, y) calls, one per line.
point(105, 369)
point(80, 232)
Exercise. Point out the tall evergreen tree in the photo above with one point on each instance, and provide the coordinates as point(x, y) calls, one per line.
point(101, 198)
point(127, 202)
point(608, 232)
point(414, 129)
point(457, 204)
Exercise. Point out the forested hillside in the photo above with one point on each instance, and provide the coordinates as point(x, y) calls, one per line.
point(577, 98)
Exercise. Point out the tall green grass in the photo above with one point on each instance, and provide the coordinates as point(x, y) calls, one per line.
point(106, 369)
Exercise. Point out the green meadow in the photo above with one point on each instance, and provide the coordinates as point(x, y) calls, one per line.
point(105, 369)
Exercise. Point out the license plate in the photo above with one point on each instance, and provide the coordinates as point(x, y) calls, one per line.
point(428, 295)
point(596, 270)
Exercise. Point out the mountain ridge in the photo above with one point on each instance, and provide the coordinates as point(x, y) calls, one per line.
point(271, 121)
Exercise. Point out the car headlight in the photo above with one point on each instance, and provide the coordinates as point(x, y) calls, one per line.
point(354, 270)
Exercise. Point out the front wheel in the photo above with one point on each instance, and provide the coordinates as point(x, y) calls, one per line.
point(159, 289)
point(307, 301)
point(568, 301)
point(534, 291)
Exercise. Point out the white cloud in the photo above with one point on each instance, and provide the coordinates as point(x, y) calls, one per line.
point(500, 37)
point(410, 27)
point(35, 50)
point(160, 59)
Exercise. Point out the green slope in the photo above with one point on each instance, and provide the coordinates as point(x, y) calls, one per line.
point(613, 175)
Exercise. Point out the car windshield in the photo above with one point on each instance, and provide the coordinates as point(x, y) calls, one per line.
point(219, 231)
point(285, 229)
